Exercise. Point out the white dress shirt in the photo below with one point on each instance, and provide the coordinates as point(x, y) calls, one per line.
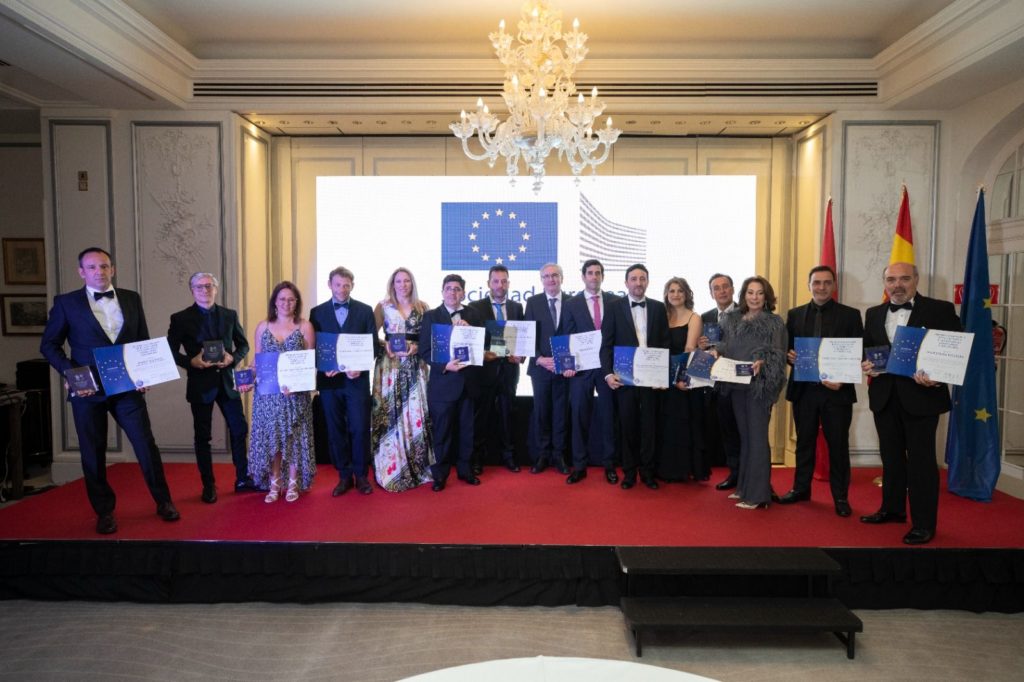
point(639, 320)
point(895, 319)
point(107, 311)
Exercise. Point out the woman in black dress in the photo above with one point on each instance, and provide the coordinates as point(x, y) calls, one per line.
point(682, 412)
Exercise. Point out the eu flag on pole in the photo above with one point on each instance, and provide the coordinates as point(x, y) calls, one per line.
point(518, 235)
point(972, 442)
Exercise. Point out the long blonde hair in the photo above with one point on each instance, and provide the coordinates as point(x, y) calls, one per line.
point(414, 298)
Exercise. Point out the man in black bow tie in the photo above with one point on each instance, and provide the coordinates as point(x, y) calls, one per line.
point(95, 316)
point(827, 403)
point(345, 396)
point(907, 410)
point(210, 380)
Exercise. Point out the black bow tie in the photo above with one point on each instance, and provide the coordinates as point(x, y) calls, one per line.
point(455, 313)
point(893, 307)
point(97, 295)
point(638, 304)
point(340, 305)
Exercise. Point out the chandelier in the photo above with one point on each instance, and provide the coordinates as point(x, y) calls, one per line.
point(545, 112)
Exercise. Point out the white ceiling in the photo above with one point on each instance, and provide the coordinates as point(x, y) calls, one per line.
point(397, 66)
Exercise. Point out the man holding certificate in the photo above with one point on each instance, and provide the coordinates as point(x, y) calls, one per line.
point(499, 377)
point(453, 387)
point(591, 420)
point(826, 402)
point(906, 409)
point(723, 438)
point(640, 322)
point(98, 316)
point(345, 394)
point(208, 341)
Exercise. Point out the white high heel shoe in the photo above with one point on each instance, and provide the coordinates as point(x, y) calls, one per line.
point(274, 492)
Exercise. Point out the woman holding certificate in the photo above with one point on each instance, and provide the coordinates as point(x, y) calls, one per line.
point(680, 457)
point(282, 423)
point(400, 435)
point(755, 338)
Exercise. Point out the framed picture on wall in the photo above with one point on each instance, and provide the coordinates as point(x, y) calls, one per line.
point(24, 261)
point(23, 314)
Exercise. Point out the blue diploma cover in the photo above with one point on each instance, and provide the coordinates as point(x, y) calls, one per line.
point(326, 354)
point(677, 368)
point(906, 344)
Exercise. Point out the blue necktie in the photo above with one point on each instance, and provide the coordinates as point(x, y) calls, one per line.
point(498, 315)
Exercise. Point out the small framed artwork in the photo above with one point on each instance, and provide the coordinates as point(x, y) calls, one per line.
point(23, 314)
point(24, 261)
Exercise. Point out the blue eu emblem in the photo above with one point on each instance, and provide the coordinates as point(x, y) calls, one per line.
point(518, 235)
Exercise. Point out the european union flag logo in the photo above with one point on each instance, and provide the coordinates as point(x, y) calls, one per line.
point(518, 235)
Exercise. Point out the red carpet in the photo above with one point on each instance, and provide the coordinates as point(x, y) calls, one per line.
point(507, 509)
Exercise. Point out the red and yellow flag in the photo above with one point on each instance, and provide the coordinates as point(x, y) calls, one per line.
point(903, 240)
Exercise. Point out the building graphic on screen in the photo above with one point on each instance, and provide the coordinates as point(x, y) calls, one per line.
point(617, 246)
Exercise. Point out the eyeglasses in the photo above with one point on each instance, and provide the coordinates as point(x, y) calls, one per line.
point(207, 287)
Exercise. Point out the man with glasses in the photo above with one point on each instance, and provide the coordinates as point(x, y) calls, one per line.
point(210, 379)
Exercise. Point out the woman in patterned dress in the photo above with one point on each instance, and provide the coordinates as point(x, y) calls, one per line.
point(282, 423)
point(400, 430)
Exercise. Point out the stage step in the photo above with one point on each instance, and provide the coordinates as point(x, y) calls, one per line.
point(740, 614)
point(811, 613)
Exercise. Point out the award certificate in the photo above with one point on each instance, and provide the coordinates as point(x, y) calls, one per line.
point(344, 352)
point(940, 354)
point(294, 370)
point(135, 365)
point(584, 348)
point(647, 367)
point(698, 369)
point(828, 359)
point(728, 370)
point(520, 337)
point(445, 337)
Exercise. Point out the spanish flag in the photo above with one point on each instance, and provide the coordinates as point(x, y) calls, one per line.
point(903, 240)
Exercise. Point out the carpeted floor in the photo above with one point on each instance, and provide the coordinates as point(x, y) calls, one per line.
point(369, 643)
point(507, 508)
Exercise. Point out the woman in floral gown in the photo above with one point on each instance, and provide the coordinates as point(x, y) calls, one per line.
point(282, 423)
point(400, 430)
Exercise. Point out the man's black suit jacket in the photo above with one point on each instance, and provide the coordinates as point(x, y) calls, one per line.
point(843, 322)
point(916, 399)
point(576, 312)
point(537, 309)
point(360, 320)
point(72, 320)
point(186, 331)
point(445, 386)
point(618, 329)
point(484, 308)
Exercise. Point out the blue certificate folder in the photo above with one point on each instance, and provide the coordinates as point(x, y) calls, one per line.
point(906, 344)
point(805, 368)
point(113, 372)
point(700, 365)
point(326, 353)
point(266, 373)
point(622, 364)
point(561, 354)
point(440, 343)
point(677, 368)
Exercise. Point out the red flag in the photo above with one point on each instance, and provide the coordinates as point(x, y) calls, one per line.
point(903, 240)
point(828, 257)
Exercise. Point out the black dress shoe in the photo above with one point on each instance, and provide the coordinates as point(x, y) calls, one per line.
point(438, 486)
point(843, 508)
point(344, 485)
point(881, 516)
point(628, 481)
point(245, 485)
point(167, 512)
point(512, 466)
point(792, 497)
point(727, 484)
point(209, 495)
point(562, 469)
point(105, 524)
point(363, 486)
point(576, 476)
point(538, 467)
point(918, 536)
point(649, 482)
point(478, 469)
point(611, 476)
point(471, 479)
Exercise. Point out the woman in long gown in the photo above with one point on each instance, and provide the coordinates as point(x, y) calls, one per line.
point(282, 423)
point(400, 429)
point(681, 454)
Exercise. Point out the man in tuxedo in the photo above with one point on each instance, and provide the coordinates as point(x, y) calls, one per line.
point(499, 377)
point(452, 389)
point(211, 382)
point(828, 403)
point(549, 420)
point(345, 396)
point(586, 312)
point(906, 409)
point(95, 316)
point(635, 320)
point(723, 435)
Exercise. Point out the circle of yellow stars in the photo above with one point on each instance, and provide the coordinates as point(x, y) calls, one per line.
point(524, 236)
